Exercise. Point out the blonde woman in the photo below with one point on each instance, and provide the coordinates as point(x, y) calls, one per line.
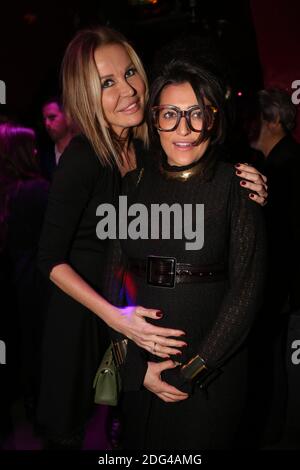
point(105, 90)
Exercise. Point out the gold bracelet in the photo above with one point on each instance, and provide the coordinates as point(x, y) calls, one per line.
point(192, 368)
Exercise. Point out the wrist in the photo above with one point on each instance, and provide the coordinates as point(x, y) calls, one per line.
point(193, 368)
point(111, 315)
point(146, 376)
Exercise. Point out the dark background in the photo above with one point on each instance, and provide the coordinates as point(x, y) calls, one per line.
point(252, 43)
point(34, 35)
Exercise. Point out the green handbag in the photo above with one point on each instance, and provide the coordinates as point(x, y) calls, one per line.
point(107, 381)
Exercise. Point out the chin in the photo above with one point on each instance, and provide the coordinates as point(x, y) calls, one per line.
point(132, 121)
point(182, 160)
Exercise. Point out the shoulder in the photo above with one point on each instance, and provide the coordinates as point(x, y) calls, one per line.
point(225, 169)
point(80, 153)
point(224, 173)
point(79, 165)
point(294, 153)
point(32, 187)
point(36, 184)
point(285, 153)
point(226, 178)
point(31, 193)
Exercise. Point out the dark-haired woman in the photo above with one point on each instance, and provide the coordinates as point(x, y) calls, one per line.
point(23, 199)
point(210, 289)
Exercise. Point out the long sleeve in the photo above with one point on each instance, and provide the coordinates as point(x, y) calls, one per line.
point(70, 191)
point(246, 271)
point(246, 266)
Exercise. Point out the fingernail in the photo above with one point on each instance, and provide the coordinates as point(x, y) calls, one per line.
point(251, 195)
point(182, 334)
point(184, 345)
point(237, 165)
point(176, 363)
point(238, 172)
point(159, 314)
point(243, 183)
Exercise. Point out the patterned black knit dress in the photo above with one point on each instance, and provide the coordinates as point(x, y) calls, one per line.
point(216, 315)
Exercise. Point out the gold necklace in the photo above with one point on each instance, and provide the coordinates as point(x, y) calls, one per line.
point(181, 175)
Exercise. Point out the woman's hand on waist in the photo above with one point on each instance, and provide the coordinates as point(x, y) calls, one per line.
point(130, 321)
point(163, 390)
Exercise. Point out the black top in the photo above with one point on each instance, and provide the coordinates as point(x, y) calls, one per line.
point(282, 167)
point(80, 185)
point(27, 208)
point(47, 161)
point(75, 338)
point(216, 316)
point(22, 288)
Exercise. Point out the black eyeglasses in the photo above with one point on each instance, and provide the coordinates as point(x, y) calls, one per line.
point(167, 117)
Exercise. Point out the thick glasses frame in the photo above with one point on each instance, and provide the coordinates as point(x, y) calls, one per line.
point(180, 113)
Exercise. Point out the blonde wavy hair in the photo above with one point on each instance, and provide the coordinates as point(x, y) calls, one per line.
point(82, 93)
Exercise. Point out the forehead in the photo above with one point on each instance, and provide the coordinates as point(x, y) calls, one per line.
point(111, 58)
point(51, 108)
point(181, 95)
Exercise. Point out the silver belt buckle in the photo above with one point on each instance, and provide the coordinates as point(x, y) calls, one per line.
point(161, 271)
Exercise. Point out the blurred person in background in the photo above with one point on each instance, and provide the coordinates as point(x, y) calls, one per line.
point(271, 134)
point(23, 197)
point(59, 131)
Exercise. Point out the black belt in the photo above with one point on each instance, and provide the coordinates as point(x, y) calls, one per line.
point(164, 271)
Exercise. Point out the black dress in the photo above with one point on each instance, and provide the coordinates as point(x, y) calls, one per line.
point(22, 290)
point(25, 221)
point(216, 316)
point(74, 338)
point(268, 405)
point(283, 223)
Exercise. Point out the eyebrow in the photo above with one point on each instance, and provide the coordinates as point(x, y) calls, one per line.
point(177, 107)
point(102, 77)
